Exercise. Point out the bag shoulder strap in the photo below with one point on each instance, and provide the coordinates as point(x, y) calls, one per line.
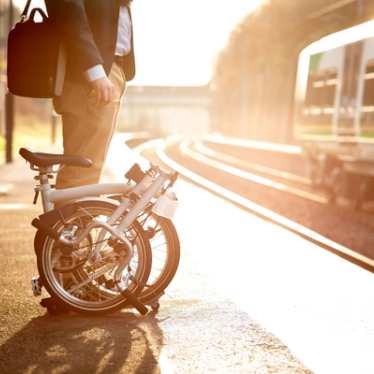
point(25, 10)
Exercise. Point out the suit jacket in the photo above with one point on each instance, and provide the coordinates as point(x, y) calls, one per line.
point(88, 31)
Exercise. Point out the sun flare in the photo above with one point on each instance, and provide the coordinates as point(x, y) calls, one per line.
point(177, 41)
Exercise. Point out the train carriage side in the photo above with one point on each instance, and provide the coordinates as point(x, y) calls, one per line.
point(334, 113)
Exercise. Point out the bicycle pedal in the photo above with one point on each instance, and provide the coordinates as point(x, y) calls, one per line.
point(36, 286)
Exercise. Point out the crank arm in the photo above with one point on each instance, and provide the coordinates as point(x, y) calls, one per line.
point(97, 274)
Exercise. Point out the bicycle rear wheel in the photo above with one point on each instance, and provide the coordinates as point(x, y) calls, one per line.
point(165, 247)
point(86, 284)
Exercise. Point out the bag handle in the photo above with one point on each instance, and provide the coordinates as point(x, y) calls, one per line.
point(25, 10)
point(40, 11)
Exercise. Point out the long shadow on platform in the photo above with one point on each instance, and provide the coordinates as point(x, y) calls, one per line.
point(76, 344)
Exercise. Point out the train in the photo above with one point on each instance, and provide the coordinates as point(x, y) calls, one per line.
point(334, 113)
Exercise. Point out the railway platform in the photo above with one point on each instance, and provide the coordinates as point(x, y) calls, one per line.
point(315, 302)
point(249, 297)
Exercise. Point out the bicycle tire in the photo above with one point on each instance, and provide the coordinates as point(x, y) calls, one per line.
point(155, 287)
point(44, 248)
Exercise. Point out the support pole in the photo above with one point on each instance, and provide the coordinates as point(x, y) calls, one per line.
point(9, 126)
point(9, 107)
point(54, 124)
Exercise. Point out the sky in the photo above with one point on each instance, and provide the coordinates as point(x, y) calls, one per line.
point(177, 41)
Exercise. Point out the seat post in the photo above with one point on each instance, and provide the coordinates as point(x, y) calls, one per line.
point(44, 187)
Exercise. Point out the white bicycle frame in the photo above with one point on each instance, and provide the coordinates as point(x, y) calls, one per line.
point(151, 187)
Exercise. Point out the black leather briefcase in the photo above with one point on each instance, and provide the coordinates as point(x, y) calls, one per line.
point(32, 56)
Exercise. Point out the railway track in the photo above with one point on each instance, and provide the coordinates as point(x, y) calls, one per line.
point(210, 157)
point(244, 155)
point(280, 157)
point(209, 169)
point(277, 173)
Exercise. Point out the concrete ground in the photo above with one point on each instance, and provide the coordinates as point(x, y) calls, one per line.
point(239, 280)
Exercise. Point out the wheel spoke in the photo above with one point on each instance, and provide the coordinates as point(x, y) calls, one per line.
point(92, 276)
point(85, 290)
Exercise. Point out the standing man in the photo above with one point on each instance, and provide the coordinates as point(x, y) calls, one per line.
point(97, 60)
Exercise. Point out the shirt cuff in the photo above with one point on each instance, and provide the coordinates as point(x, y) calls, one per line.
point(94, 73)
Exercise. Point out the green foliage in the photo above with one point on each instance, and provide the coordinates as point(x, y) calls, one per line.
point(255, 74)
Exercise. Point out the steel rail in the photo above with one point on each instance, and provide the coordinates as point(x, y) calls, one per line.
point(203, 149)
point(255, 144)
point(255, 178)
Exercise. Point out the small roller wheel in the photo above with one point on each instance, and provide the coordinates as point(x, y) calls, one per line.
point(155, 306)
point(53, 307)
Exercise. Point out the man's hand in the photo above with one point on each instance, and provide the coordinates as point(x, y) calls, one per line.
point(104, 90)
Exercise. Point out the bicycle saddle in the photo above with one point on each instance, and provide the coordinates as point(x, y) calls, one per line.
point(50, 159)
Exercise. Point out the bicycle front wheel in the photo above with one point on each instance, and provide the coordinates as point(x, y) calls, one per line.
point(83, 279)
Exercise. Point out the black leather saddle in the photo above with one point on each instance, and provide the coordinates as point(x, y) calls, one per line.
point(49, 159)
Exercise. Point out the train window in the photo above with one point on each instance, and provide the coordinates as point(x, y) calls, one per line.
point(321, 89)
point(369, 85)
